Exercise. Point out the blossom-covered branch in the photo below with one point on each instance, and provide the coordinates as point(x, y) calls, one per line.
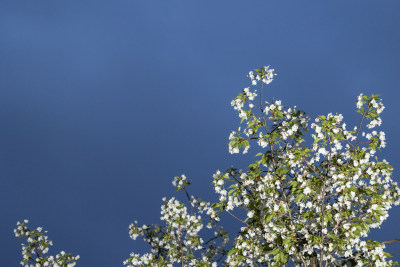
point(33, 253)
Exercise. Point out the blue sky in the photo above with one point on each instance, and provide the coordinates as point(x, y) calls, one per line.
point(102, 103)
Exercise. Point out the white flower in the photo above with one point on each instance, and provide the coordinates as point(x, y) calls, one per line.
point(250, 214)
point(307, 190)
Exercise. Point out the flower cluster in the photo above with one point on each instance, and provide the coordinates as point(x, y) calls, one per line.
point(180, 182)
point(38, 245)
point(265, 74)
point(179, 241)
point(371, 108)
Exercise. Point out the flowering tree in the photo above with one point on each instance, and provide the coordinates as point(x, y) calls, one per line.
point(308, 200)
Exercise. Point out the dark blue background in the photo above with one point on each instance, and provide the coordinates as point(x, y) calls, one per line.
point(102, 103)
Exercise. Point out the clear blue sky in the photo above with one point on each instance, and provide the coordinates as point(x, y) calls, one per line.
point(102, 103)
